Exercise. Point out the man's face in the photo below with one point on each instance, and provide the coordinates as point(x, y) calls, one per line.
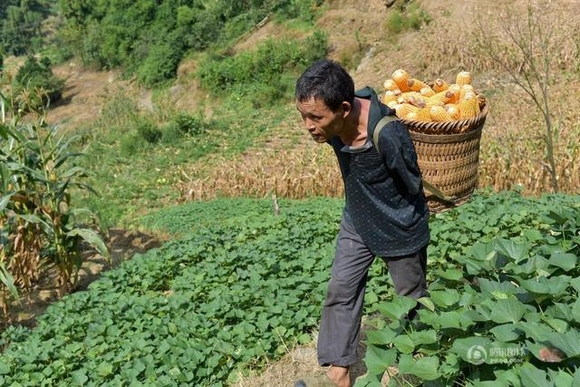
point(322, 123)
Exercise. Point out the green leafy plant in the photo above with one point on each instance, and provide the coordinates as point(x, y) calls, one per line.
point(239, 286)
point(38, 178)
point(35, 85)
point(502, 304)
point(407, 17)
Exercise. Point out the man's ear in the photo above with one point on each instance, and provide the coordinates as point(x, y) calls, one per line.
point(346, 108)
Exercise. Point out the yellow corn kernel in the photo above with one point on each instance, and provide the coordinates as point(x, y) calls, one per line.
point(416, 84)
point(401, 78)
point(440, 85)
point(403, 109)
point(439, 114)
point(391, 95)
point(427, 91)
point(439, 98)
point(453, 111)
point(464, 89)
point(424, 114)
point(390, 85)
point(469, 106)
point(453, 93)
point(408, 96)
point(392, 104)
point(463, 78)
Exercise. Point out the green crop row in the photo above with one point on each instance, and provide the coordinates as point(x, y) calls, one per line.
point(503, 306)
point(240, 286)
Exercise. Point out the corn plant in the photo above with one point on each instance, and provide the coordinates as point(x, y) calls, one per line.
point(40, 226)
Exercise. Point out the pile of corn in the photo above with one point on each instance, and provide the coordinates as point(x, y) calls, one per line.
point(416, 100)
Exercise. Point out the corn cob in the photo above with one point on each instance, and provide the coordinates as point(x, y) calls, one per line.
point(401, 78)
point(412, 97)
point(464, 89)
point(419, 115)
point(391, 95)
point(402, 110)
point(453, 93)
point(416, 85)
point(441, 98)
point(439, 114)
point(463, 78)
point(390, 85)
point(427, 92)
point(424, 114)
point(453, 111)
point(440, 85)
point(469, 106)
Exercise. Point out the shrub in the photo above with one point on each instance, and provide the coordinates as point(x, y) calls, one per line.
point(37, 75)
point(262, 69)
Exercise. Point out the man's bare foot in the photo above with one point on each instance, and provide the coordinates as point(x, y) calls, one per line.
point(339, 376)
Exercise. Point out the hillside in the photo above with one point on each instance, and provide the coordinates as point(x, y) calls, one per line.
point(352, 27)
point(357, 35)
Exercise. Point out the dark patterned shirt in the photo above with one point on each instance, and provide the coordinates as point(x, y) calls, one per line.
point(384, 195)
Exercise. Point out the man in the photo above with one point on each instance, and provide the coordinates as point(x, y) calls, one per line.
point(385, 212)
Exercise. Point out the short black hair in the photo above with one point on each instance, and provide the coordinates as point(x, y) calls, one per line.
point(327, 80)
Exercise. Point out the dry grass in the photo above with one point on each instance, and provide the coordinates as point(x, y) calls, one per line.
point(513, 151)
point(301, 363)
point(282, 168)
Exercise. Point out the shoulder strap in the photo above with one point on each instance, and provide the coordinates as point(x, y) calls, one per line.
point(380, 125)
point(428, 186)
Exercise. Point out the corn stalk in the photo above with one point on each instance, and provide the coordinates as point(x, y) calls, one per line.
point(38, 177)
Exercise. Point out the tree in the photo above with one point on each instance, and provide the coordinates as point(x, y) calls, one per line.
point(525, 45)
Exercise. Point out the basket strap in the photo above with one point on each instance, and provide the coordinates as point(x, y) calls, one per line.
point(430, 187)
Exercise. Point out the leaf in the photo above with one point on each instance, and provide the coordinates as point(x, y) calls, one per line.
point(561, 378)
point(471, 349)
point(546, 286)
point(424, 337)
point(426, 368)
point(513, 249)
point(444, 298)
point(533, 377)
point(105, 369)
point(569, 342)
point(565, 261)
point(4, 201)
point(558, 325)
point(506, 332)
point(8, 281)
point(92, 238)
point(404, 343)
point(383, 336)
point(451, 274)
point(377, 359)
point(508, 310)
point(454, 319)
point(398, 307)
point(427, 303)
point(535, 330)
point(79, 378)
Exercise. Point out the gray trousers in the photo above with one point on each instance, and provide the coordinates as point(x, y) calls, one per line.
point(342, 312)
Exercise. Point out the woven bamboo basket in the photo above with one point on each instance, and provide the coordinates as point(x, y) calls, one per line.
point(448, 156)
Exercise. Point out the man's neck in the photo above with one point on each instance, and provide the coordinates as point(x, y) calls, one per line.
point(355, 133)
